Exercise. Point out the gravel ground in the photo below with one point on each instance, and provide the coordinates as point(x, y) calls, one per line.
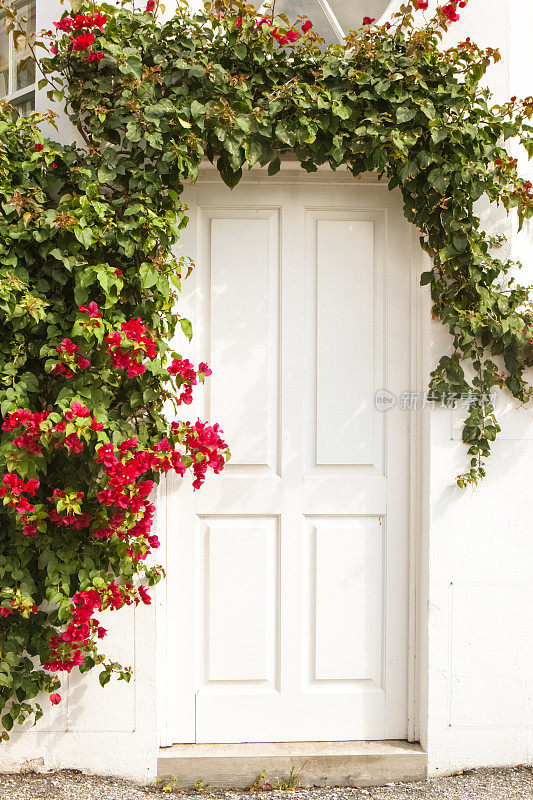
point(515, 783)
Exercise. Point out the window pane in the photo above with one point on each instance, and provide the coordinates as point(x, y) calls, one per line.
point(25, 106)
point(24, 64)
point(4, 62)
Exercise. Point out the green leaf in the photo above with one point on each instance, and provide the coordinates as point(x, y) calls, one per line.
point(274, 166)
point(148, 275)
point(186, 327)
point(428, 108)
point(405, 114)
point(106, 174)
point(7, 722)
point(104, 677)
point(84, 236)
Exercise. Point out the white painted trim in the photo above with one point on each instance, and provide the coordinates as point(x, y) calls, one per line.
point(160, 598)
point(332, 19)
point(420, 476)
point(419, 498)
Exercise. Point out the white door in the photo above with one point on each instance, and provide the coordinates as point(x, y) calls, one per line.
point(287, 588)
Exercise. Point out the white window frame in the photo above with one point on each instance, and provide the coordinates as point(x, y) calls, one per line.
point(18, 96)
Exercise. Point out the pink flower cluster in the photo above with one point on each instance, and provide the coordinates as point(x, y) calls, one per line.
point(92, 311)
point(77, 632)
point(17, 603)
point(125, 355)
point(66, 650)
point(282, 38)
point(70, 361)
point(185, 369)
point(31, 422)
point(205, 446)
point(128, 496)
point(119, 504)
point(450, 9)
point(12, 492)
point(81, 24)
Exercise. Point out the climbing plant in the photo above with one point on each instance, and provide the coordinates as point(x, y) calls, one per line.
point(89, 282)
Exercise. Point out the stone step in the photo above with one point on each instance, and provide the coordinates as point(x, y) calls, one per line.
point(228, 766)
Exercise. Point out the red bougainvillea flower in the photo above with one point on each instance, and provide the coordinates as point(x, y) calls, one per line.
point(30, 530)
point(422, 5)
point(124, 482)
point(55, 698)
point(67, 346)
point(24, 506)
point(16, 485)
point(187, 373)
point(264, 21)
point(16, 419)
point(450, 11)
point(91, 310)
point(145, 597)
point(39, 147)
point(92, 56)
point(64, 25)
point(293, 36)
point(60, 369)
point(307, 25)
point(150, 5)
point(80, 22)
point(32, 423)
point(76, 410)
point(83, 41)
point(279, 37)
point(74, 443)
point(368, 20)
point(99, 20)
point(128, 359)
point(134, 330)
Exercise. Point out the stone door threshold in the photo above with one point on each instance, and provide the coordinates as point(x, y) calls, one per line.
point(228, 766)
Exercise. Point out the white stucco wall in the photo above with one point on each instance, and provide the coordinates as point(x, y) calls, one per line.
point(110, 731)
point(475, 586)
point(479, 548)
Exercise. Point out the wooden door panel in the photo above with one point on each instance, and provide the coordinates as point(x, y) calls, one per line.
point(287, 574)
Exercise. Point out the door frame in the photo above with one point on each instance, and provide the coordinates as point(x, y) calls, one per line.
point(418, 472)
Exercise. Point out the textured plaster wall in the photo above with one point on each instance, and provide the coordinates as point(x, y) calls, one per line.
point(480, 551)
